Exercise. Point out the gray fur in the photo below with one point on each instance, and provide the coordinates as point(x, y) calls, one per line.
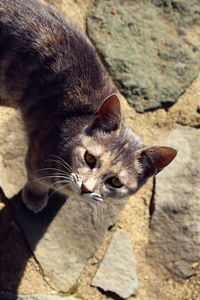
point(51, 72)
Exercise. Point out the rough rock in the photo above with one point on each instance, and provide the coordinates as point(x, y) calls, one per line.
point(117, 271)
point(9, 296)
point(12, 151)
point(174, 240)
point(150, 70)
point(63, 236)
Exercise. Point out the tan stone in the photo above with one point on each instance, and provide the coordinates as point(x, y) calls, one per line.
point(12, 151)
point(75, 10)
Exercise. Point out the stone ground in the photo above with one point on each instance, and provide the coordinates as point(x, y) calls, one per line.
point(23, 274)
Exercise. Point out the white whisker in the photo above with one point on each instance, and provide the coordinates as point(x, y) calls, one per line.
point(58, 182)
point(49, 177)
point(57, 190)
point(62, 160)
point(68, 168)
point(101, 211)
point(53, 169)
point(94, 206)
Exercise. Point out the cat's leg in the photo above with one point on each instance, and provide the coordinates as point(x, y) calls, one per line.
point(34, 193)
point(35, 196)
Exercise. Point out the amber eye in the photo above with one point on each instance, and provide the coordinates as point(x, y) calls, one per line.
point(114, 182)
point(90, 159)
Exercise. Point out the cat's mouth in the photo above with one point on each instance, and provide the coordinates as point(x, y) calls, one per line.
point(81, 190)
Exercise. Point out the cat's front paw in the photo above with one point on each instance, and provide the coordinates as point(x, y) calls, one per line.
point(33, 201)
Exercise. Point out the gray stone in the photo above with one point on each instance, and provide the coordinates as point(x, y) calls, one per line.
point(10, 296)
point(63, 236)
point(117, 272)
point(174, 238)
point(148, 47)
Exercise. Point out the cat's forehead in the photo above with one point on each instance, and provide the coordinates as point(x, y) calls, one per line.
point(94, 146)
point(111, 154)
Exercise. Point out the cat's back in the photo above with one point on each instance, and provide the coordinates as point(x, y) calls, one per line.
point(35, 27)
point(30, 21)
point(42, 52)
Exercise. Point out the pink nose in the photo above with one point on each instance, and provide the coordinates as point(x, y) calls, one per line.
point(84, 189)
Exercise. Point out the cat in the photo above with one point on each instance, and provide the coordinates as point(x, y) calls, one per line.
point(78, 140)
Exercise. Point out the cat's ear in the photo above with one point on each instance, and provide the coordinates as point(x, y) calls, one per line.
point(108, 116)
point(153, 159)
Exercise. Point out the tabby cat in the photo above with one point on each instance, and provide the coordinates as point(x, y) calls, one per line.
point(79, 141)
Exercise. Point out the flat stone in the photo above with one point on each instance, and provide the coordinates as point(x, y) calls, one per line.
point(174, 238)
point(63, 236)
point(10, 296)
point(150, 70)
point(12, 151)
point(117, 271)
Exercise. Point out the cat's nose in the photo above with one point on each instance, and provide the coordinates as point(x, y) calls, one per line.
point(84, 189)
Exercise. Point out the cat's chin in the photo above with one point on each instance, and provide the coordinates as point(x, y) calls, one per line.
point(82, 197)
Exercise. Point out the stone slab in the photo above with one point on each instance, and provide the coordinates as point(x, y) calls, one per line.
point(174, 238)
point(117, 271)
point(62, 237)
point(151, 48)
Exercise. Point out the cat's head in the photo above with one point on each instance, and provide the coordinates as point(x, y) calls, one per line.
point(109, 160)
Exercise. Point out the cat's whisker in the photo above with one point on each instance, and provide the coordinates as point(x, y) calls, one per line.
point(106, 210)
point(61, 160)
point(52, 169)
point(68, 168)
point(50, 177)
point(113, 208)
point(59, 182)
point(112, 211)
point(101, 211)
point(92, 204)
point(95, 212)
point(55, 175)
point(96, 219)
point(57, 190)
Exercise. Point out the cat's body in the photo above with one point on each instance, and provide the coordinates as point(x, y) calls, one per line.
point(51, 72)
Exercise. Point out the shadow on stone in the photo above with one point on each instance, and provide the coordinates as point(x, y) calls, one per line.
point(35, 225)
point(62, 238)
point(14, 252)
point(8, 296)
point(110, 294)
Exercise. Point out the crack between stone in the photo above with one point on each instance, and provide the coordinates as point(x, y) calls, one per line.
point(152, 201)
point(42, 272)
point(192, 126)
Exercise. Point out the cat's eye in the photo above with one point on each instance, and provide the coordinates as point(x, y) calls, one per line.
point(90, 159)
point(114, 182)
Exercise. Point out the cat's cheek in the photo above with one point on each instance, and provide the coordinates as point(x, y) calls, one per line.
point(104, 191)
